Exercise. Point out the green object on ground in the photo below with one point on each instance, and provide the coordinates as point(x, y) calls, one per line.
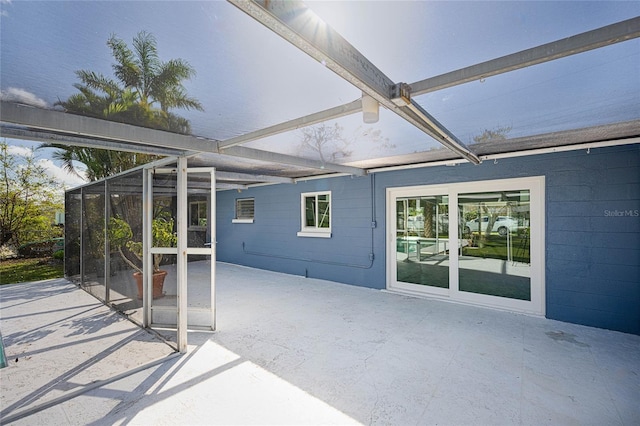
point(3, 357)
point(33, 269)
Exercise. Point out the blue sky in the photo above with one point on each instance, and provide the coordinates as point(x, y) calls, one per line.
point(248, 78)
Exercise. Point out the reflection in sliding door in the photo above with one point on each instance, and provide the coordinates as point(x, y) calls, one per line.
point(422, 240)
point(495, 255)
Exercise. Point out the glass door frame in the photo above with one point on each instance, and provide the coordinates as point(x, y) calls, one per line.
point(393, 194)
point(182, 250)
point(535, 185)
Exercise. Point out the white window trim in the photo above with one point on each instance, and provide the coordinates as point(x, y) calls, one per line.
point(312, 231)
point(243, 220)
point(536, 186)
point(314, 234)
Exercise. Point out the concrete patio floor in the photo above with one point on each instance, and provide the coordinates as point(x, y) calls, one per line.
point(291, 350)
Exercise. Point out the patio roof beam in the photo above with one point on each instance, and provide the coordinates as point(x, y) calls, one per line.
point(308, 120)
point(49, 137)
point(108, 132)
point(80, 126)
point(272, 157)
point(296, 23)
point(604, 36)
point(601, 37)
point(227, 186)
point(245, 177)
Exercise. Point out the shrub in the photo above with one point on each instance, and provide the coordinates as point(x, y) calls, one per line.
point(58, 254)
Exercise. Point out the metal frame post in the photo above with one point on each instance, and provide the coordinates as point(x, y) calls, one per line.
point(107, 251)
point(147, 264)
point(181, 219)
point(213, 249)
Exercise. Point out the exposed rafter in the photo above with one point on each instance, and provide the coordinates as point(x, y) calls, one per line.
point(63, 124)
point(257, 154)
point(246, 177)
point(49, 137)
point(89, 127)
point(308, 120)
point(600, 37)
point(295, 22)
point(604, 36)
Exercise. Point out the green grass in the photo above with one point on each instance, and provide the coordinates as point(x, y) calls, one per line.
point(495, 247)
point(35, 269)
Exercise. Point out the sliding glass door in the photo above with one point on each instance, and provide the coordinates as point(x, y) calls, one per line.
point(422, 240)
point(476, 242)
point(495, 256)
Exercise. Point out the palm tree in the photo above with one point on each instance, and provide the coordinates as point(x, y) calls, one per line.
point(153, 81)
point(100, 163)
point(142, 93)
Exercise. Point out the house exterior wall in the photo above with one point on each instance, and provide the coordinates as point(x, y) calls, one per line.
point(592, 229)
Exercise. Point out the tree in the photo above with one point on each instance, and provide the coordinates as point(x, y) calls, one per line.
point(493, 135)
point(143, 92)
point(100, 163)
point(329, 143)
point(325, 141)
point(28, 202)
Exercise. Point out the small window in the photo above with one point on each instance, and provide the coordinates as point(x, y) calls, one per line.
point(315, 215)
point(198, 215)
point(245, 209)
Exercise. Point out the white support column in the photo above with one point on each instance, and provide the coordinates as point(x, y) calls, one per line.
point(82, 224)
point(181, 220)
point(147, 263)
point(107, 251)
point(213, 249)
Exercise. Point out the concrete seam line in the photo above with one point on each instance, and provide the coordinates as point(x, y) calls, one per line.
point(62, 398)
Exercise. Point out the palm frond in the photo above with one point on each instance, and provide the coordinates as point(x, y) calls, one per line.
point(125, 69)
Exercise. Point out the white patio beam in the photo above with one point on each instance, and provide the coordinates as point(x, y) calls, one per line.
point(245, 177)
point(80, 126)
point(109, 132)
point(272, 157)
point(227, 186)
point(54, 138)
point(308, 120)
point(296, 23)
point(601, 37)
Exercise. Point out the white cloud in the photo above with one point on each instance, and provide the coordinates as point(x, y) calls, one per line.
point(68, 180)
point(13, 94)
point(4, 12)
point(20, 151)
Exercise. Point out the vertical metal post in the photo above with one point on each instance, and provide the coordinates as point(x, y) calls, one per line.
point(213, 249)
point(437, 226)
point(181, 220)
point(147, 264)
point(107, 251)
point(81, 237)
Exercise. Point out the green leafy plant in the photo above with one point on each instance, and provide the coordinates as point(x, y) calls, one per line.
point(121, 236)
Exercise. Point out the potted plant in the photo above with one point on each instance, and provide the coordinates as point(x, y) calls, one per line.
point(121, 236)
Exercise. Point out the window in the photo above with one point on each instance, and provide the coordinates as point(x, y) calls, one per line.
point(198, 215)
point(316, 215)
point(244, 210)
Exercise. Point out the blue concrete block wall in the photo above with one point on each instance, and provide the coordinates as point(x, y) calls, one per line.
point(271, 241)
point(592, 229)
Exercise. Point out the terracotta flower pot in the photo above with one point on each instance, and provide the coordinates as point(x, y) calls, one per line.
point(158, 283)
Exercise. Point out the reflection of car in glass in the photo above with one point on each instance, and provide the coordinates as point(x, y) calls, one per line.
point(502, 225)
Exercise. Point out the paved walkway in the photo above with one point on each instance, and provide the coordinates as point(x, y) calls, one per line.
point(291, 350)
